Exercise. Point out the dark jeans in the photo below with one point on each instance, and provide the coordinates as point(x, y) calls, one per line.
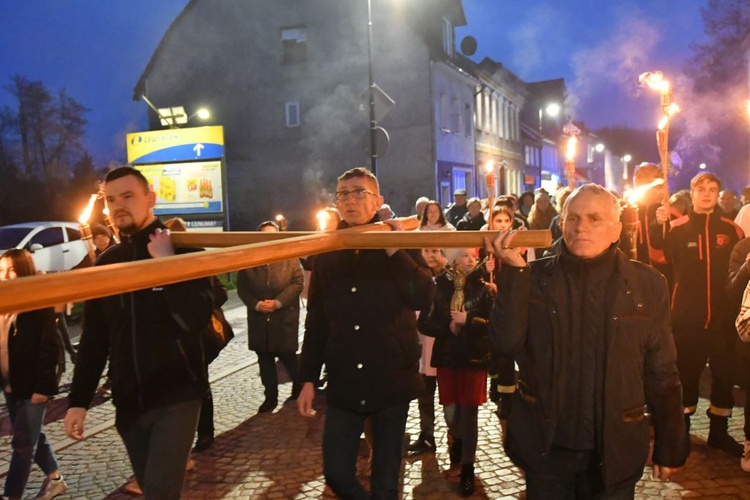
point(426, 406)
point(341, 448)
point(29, 444)
point(206, 418)
point(571, 475)
point(695, 346)
point(158, 445)
point(269, 377)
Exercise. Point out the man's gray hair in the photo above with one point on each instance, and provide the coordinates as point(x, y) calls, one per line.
point(597, 190)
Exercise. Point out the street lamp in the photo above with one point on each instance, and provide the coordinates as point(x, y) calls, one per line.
point(174, 116)
point(552, 109)
point(202, 113)
point(625, 160)
point(373, 122)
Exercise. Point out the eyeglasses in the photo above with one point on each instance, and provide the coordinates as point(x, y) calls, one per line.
point(358, 194)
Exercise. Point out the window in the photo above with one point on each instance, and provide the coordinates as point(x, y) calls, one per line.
point(487, 125)
point(493, 118)
point(506, 121)
point(448, 37)
point(468, 124)
point(456, 116)
point(478, 110)
point(73, 235)
point(48, 237)
point(291, 113)
point(294, 45)
point(445, 124)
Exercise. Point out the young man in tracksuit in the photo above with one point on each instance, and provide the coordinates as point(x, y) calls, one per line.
point(698, 245)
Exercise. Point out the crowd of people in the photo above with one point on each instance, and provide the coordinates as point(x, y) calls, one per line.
point(593, 347)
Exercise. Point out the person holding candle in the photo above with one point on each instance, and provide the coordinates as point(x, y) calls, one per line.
point(361, 322)
point(153, 339)
point(590, 331)
point(29, 351)
point(502, 368)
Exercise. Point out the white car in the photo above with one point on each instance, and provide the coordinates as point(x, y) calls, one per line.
point(55, 246)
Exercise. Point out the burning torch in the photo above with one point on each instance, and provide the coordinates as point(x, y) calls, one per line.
point(281, 221)
point(629, 216)
point(570, 153)
point(323, 216)
point(655, 80)
point(83, 220)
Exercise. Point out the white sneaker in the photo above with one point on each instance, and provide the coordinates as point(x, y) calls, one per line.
point(745, 460)
point(52, 488)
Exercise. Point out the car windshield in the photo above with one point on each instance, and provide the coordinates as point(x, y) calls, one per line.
point(10, 237)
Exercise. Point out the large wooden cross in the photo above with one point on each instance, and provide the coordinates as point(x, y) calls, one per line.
point(229, 252)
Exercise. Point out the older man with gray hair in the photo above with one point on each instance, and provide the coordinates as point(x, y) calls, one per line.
point(590, 331)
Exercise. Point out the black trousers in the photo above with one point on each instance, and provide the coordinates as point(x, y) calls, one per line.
point(695, 346)
point(572, 474)
point(426, 402)
point(268, 375)
point(206, 416)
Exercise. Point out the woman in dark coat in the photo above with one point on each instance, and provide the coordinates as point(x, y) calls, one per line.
point(29, 350)
point(271, 293)
point(461, 354)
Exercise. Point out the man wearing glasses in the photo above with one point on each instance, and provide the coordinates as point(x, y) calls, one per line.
point(361, 323)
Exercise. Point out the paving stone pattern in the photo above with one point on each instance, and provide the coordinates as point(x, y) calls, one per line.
point(277, 455)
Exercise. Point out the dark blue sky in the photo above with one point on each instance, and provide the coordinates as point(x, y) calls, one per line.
point(96, 51)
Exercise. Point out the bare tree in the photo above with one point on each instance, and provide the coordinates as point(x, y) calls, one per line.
point(49, 129)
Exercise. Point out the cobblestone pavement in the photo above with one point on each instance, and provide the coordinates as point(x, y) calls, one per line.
point(277, 455)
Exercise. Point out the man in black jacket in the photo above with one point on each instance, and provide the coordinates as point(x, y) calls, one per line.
point(361, 322)
point(590, 331)
point(153, 340)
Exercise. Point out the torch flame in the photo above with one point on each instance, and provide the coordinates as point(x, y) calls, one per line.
point(672, 109)
point(638, 192)
point(323, 217)
point(86, 214)
point(570, 152)
point(663, 122)
point(489, 166)
point(654, 80)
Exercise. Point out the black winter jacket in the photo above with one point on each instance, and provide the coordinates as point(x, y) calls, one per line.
point(699, 246)
point(152, 337)
point(739, 276)
point(471, 347)
point(277, 332)
point(527, 322)
point(361, 322)
point(33, 349)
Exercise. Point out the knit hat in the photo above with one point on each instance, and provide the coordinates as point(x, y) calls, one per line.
point(98, 229)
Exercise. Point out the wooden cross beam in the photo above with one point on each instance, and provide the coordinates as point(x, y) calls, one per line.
point(35, 292)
